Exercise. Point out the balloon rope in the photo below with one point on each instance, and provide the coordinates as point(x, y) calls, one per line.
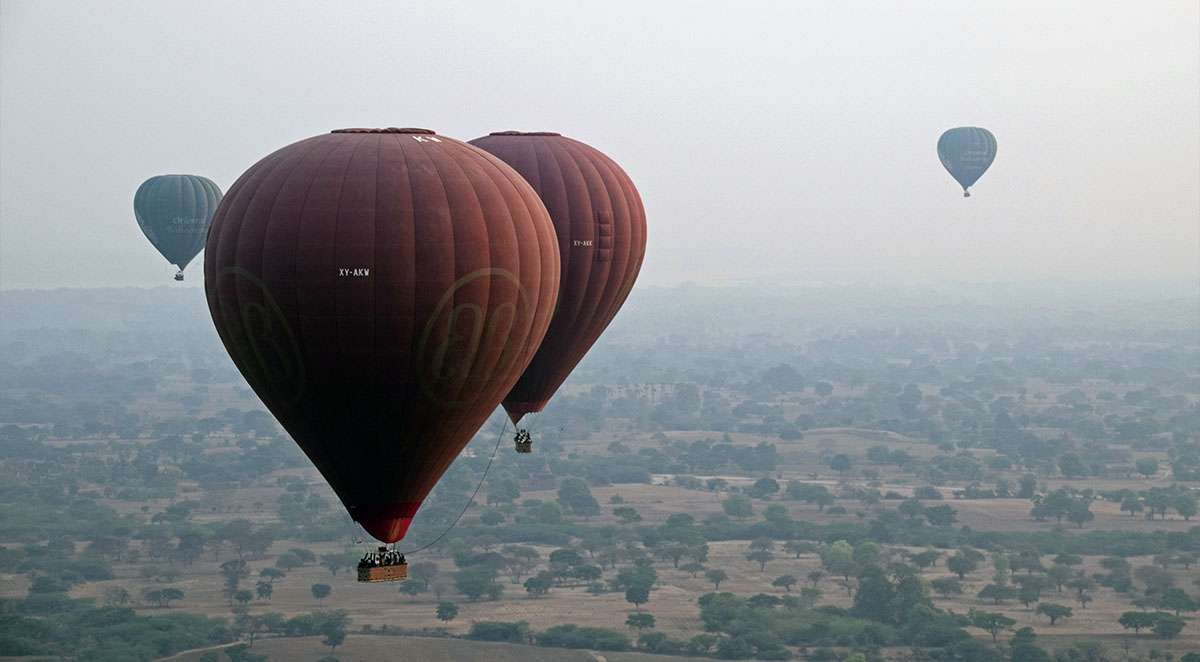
point(495, 452)
point(355, 539)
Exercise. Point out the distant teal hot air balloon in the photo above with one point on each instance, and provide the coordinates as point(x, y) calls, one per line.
point(174, 212)
point(966, 152)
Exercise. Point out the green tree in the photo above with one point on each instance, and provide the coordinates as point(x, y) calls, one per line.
point(1136, 620)
point(638, 595)
point(263, 590)
point(785, 582)
point(1060, 574)
point(761, 557)
point(1027, 486)
point(1072, 466)
point(336, 561)
point(241, 653)
point(627, 515)
point(838, 559)
point(321, 591)
point(942, 515)
point(334, 637)
point(911, 508)
point(1185, 504)
point(947, 586)
point(1023, 647)
point(1080, 512)
point(234, 571)
point(992, 622)
point(576, 497)
point(997, 593)
point(1147, 466)
point(1132, 503)
point(288, 561)
point(1053, 611)
point(1177, 600)
point(841, 463)
point(961, 563)
point(473, 582)
point(538, 585)
point(447, 611)
point(492, 517)
point(716, 576)
point(1168, 626)
point(925, 559)
point(1157, 580)
point(763, 488)
point(738, 506)
point(271, 574)
point(1001, 568)
point(640, 621)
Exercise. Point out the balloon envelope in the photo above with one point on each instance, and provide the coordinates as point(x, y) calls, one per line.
point(601, 228)
point(966, 152)
point(381, 290)
point(174, 212)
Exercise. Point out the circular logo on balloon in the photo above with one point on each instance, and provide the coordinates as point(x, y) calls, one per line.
point(472, 336)
point(264, 346)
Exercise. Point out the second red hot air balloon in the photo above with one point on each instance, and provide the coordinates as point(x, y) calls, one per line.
point(601, 228)
point(381, 290)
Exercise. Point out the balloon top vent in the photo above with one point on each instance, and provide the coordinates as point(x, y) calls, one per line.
point(390, 129)
point(525, 133)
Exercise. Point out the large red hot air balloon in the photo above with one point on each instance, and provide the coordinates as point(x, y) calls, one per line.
point(381, 290)
point(601, 229)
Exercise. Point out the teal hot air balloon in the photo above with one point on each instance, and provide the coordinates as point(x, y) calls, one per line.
point(174, 212)
point(966, 152)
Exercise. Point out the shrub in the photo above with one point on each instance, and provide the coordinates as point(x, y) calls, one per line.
point(572, 636)
point(513, 633)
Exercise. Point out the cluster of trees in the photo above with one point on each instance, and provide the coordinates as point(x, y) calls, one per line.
point(49, 622)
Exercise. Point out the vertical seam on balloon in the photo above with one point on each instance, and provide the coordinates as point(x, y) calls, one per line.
point(191, 250)
point(513, 147)
point(442, 426)
point(227, 234)
point(171, 242)
point(199, 195)
point(379, 427)
point(601, 314)
point(536, 145)
point(614, 181)
point(624, 277)
point(362, 138)
point(410, 151)
point(177, 244)
point(578, 158)
point(293, 163)
point(411, 261)
point(512, 212)
point(299, 162)
point(546, 155)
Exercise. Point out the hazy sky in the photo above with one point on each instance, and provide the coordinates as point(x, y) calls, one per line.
point(773, 141)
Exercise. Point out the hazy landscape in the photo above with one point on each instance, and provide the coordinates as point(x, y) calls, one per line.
point(903, 362)
point(788, 473)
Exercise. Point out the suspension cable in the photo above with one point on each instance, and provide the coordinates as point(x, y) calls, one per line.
point(495, 452)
